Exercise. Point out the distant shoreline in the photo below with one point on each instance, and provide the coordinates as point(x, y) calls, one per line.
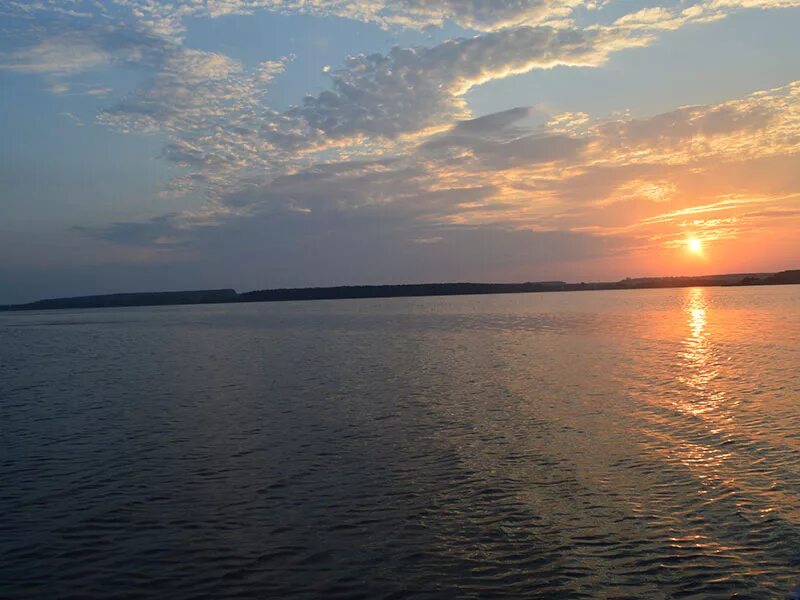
point(414, 290)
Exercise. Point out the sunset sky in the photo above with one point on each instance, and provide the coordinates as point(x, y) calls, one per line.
point(153, 145)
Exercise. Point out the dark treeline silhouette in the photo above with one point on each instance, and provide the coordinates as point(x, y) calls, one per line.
point(399, 291)
point(782, 278)
point(132, 299)
point(403, 290)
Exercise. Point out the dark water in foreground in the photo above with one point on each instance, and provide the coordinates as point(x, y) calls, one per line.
point(635, 444)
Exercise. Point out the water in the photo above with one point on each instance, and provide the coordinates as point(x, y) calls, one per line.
point(633, 444)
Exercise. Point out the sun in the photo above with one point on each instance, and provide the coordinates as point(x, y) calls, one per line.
point(694, 245)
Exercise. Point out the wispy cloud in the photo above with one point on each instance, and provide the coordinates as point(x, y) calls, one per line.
point(722, 205)
point(61, 55)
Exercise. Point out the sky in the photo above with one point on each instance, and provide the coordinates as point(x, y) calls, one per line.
point(164, 145)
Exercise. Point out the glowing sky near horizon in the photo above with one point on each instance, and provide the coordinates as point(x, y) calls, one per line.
point(155, 145)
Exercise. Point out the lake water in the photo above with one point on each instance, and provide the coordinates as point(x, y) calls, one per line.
point(616, 444)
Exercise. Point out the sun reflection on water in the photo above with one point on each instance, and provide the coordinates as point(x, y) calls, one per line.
point(697, 313)
point(699, 367)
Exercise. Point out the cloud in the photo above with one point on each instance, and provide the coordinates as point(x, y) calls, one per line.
point(510, 170)
point(62, 55)
point(689, 123)
point(168, 19)
point(497, 142)
point(192, 90)
point(375, 100)
point(722, 205)
point(762, 4)
point(219, 124)
point(58, 88)
point(157, 231)
point(659, 18)
point(352, 247)
point(496, 127)
point(213, 111)
point(775, 213)
point(410, 89)
point(479, 15)
point(60, 51)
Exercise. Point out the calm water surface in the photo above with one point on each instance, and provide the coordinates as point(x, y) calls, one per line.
point(637, 444)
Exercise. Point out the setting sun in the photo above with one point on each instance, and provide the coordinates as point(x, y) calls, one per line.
point(694, 245)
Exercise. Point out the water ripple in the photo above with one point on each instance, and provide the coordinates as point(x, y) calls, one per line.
point(590, 445)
